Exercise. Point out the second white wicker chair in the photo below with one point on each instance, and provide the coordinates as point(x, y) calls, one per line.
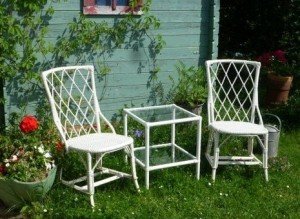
point(233, 109)
point(76, 113)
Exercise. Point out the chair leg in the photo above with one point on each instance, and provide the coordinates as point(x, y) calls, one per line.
point(216, 155)
point(127, 154)
point(147, 156)
point(209, 143)
point(250, 145)
point(133, 167)
point(265, 157)
point(90, 179)
point(99, 166)
point(147, 178)
point(60, 173)
point(198, 150)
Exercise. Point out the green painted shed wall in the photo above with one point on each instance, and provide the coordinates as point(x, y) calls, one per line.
point(190, 29)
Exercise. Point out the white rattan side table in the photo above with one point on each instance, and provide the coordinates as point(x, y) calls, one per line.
point(153, 116)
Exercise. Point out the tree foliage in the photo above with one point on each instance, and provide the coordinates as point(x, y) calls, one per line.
point(25, 51)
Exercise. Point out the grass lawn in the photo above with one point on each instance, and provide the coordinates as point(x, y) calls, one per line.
point(239, 192)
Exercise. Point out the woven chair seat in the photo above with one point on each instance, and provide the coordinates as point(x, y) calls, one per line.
point(99, 142)
point(238, 128)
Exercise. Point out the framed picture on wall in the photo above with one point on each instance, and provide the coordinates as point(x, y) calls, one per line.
point(111, 7)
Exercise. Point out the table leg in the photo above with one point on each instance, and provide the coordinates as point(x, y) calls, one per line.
point(173, 136)
point(125, 124)
point(147, 155)
point(126, 134)
point(198, 150)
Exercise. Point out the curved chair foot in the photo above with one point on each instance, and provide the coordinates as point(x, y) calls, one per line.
point(92, 201)
point(133, 168)
point(266, 174)
point(214, 170)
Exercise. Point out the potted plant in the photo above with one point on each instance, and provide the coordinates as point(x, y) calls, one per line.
point(279, 76)
point(189, 90)
point(27, 168)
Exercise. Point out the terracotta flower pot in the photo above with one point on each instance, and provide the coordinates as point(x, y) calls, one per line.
point(14, 193)
point(278, 88)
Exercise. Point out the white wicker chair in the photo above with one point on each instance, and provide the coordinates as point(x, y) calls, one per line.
point(76, 113)
point(233, 110)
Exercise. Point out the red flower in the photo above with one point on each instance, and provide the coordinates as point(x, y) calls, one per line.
point(59, 146)
point(2, 169)
point(29, 124)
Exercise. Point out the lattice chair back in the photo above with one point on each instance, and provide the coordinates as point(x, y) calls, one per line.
point(232, 90)
point(74, 104)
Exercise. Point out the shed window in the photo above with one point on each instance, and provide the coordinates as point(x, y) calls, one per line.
point(110, 7)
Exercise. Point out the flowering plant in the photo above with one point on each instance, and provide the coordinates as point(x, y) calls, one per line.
point(275, 62)
point(25, 152)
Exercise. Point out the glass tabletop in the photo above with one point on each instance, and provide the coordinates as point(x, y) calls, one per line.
point(161, 113)
point(162, 155)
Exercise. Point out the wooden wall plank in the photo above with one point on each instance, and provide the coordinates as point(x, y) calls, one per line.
point(166, 29)
point(175, 41)
point(142, 54)
point(64, 17)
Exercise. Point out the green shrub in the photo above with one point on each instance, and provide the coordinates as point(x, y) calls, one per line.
point(190, 88)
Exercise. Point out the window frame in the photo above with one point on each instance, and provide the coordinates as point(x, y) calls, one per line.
point(90, 7)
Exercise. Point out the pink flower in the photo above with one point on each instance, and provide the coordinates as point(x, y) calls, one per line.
point(280, 56)
point(265, 58)
point(269, 58)
point(14, 158)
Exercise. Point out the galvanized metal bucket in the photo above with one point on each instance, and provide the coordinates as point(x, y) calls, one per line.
point(274, 134)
